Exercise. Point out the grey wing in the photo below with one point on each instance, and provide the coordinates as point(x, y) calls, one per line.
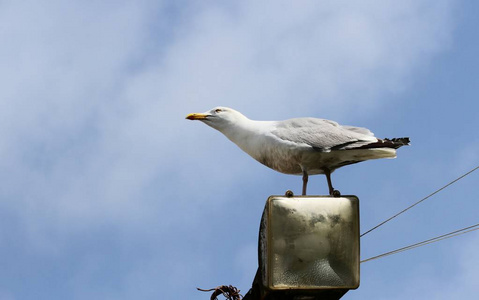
point(360, 130)
point(323, 135)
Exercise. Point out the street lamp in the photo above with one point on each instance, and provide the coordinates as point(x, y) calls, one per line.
point(309, 247)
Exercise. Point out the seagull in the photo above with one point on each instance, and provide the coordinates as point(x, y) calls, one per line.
point(300, 146)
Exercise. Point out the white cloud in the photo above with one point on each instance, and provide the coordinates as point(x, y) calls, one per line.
point(75, 122)
point(92, 129)
point(333, 56)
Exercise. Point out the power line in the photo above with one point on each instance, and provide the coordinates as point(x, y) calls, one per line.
point(429, 241)
point(428, 196)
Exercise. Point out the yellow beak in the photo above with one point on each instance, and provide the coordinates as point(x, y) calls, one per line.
point(196, 116)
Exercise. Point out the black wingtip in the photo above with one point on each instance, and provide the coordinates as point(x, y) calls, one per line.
point(402, 141)
point(387, 143)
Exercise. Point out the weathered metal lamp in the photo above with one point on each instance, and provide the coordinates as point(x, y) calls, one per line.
point(309, 247)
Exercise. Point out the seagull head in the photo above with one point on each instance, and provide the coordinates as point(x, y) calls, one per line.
point(219, 117)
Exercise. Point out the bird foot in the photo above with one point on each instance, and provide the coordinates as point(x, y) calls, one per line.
point(336, 193)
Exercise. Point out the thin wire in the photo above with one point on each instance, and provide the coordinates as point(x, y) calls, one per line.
point(429, 241)
point(428, 196)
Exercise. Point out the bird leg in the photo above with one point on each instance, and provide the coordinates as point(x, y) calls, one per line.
point(305, 182)
point(330, 185)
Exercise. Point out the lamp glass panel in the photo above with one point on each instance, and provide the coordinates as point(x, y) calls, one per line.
point(313, 242)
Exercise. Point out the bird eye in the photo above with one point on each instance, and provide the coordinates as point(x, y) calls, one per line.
point(218, 110)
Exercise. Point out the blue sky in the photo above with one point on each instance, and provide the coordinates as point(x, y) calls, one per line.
point(109, 193)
